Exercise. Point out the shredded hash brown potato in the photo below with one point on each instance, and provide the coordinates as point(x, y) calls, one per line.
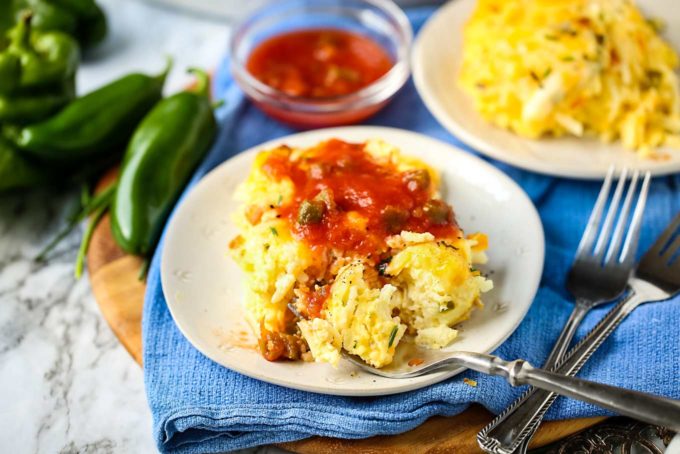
point(349, 246)
point(579, 67)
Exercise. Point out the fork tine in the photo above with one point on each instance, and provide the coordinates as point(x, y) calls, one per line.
point(622, 222)
point(604, 237)
point(593, 226)
point(630, 244)
point(665, 237)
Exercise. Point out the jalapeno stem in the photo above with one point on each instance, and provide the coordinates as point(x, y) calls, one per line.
point(144, 269)
point(87, 237)
point(202, 81)
point(85, 198)
point(87, 207)
point(168, 66)
point(21, 35)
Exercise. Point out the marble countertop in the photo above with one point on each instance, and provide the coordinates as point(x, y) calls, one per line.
point(66, 384)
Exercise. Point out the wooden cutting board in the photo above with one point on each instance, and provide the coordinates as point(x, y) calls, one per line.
point(120, 295)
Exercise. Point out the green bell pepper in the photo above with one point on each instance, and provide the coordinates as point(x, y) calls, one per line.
point(92, 126)
point(36, 59)
point(163, 153)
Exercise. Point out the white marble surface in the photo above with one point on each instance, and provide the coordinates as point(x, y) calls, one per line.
point(66, 385)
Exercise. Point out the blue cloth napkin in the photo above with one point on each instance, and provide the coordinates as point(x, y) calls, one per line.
point(199, 406)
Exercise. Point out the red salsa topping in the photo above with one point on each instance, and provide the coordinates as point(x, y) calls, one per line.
point(345, 199)
point(318, 63)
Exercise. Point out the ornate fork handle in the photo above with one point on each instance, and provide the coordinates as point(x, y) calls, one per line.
point(521, 420)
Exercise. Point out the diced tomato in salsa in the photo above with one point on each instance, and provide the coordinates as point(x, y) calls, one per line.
point(318, 63)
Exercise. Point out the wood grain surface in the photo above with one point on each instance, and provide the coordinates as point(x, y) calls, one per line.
point(120, 295)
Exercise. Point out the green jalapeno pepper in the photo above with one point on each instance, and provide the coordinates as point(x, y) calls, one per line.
point(10, 72)
point(31, 105)
point(6, 17)
point(17, 172)
point(47, 17)
point(92, 27)
point(94, 125)
point(33, 59)
point(83, 19)
point(163, 153)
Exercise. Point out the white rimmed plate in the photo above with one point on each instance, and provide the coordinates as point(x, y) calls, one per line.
point(436, 62)
point(204, 287)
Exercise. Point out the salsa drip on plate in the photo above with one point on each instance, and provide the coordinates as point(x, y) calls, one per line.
point(346, 200)
point(318, 63)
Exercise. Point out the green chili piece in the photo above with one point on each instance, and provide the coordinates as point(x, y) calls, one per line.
point(311, 212)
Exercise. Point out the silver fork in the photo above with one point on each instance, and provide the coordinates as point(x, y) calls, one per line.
point(656, 279)
point(599, 275)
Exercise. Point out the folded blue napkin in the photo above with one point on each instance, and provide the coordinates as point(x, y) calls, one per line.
point(198, 406)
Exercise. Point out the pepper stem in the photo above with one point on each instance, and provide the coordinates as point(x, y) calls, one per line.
point(21, 34)
point(87, 237)
point(88, 205)
point(144, 269)
point(202, 81)
point(168, 66)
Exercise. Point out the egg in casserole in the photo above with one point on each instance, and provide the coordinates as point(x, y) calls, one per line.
point(578, 67)
point(355, 238)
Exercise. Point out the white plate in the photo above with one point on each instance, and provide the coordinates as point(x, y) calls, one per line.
point(204, 287)
point(436, 63)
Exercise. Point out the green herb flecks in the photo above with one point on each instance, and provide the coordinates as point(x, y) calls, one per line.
point(274, 231)
point(393, 334)
point(536, 78)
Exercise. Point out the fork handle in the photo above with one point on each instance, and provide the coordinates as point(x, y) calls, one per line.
point(523, 417)
point(646, 407)
point(642, 406)
point(515, 423)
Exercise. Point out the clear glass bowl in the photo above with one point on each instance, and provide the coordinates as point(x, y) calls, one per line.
point(380, 20)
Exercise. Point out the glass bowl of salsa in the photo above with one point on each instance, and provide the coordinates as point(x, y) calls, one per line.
point(317, 63)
